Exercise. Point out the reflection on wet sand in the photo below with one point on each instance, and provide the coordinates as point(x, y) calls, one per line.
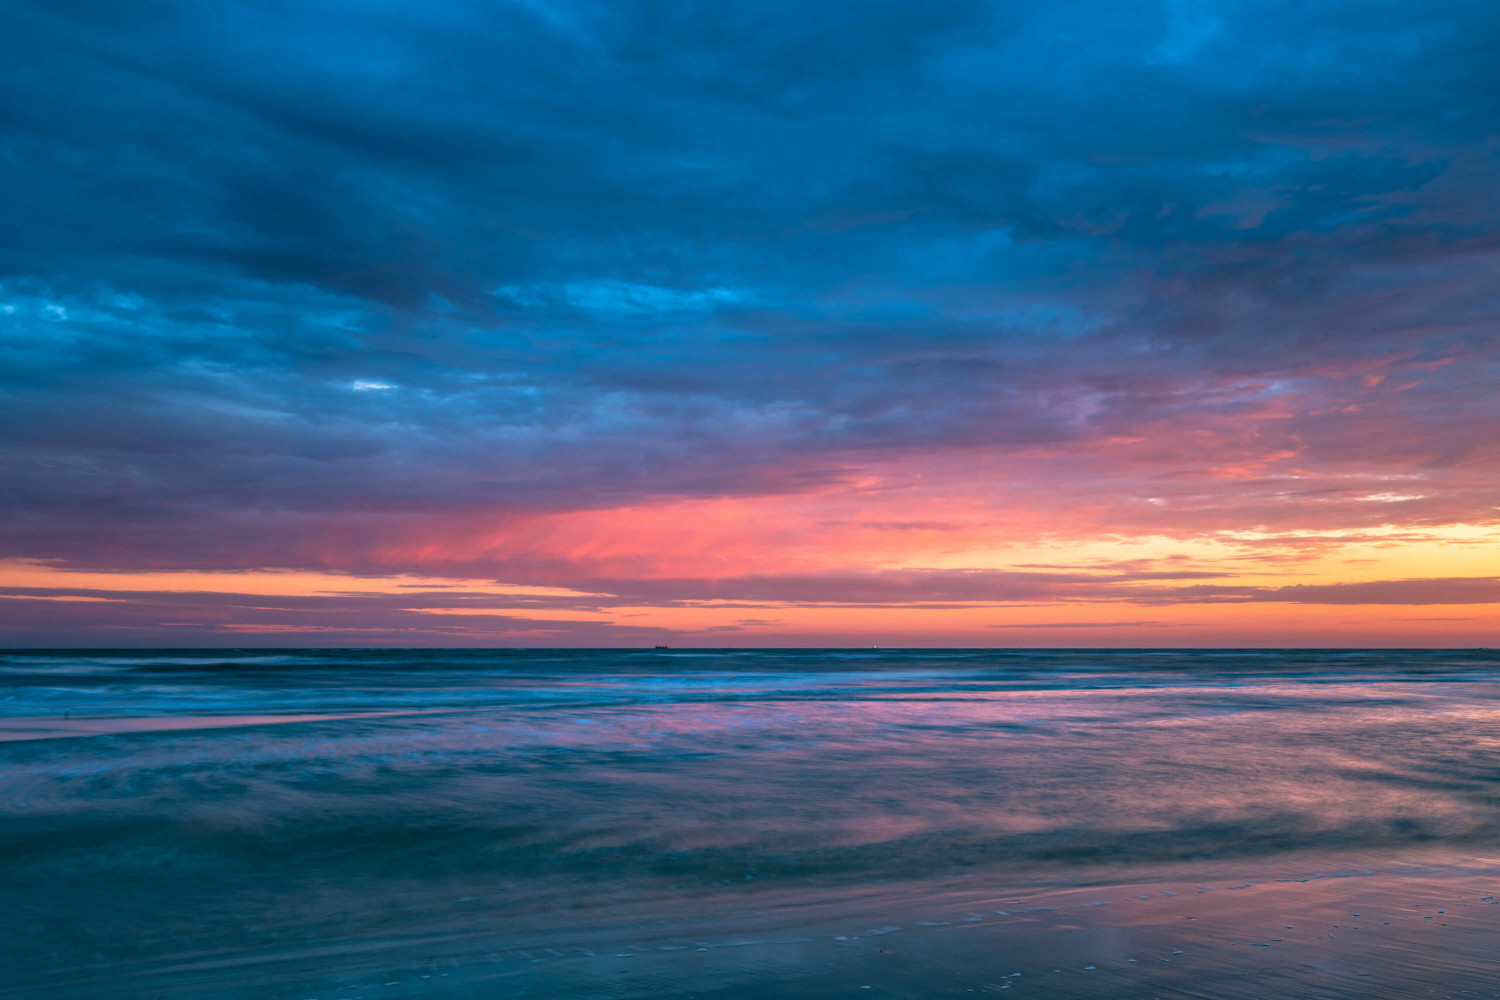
point(1369, 933)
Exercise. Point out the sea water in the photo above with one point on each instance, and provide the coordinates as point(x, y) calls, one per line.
point(737, 824)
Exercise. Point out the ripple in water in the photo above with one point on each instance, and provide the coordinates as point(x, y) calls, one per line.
point(746, 824)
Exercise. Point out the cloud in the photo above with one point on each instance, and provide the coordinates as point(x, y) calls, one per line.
point(629, 611)
point(1460, 590)
point(615, 299)
point(433, 288)
point(1087, 625)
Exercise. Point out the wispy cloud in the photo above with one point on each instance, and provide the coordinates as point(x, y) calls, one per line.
point(1087, 625)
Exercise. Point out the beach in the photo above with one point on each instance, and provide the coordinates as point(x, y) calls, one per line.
point(714, 823)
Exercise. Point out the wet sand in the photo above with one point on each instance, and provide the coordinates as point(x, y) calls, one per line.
point(1428, 931)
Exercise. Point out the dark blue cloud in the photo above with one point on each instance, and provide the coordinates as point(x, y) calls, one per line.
point(263, 265)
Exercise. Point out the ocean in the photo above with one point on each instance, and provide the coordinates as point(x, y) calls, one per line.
point(739, 824)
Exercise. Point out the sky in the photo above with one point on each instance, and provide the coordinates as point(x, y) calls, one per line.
point(534, 323)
